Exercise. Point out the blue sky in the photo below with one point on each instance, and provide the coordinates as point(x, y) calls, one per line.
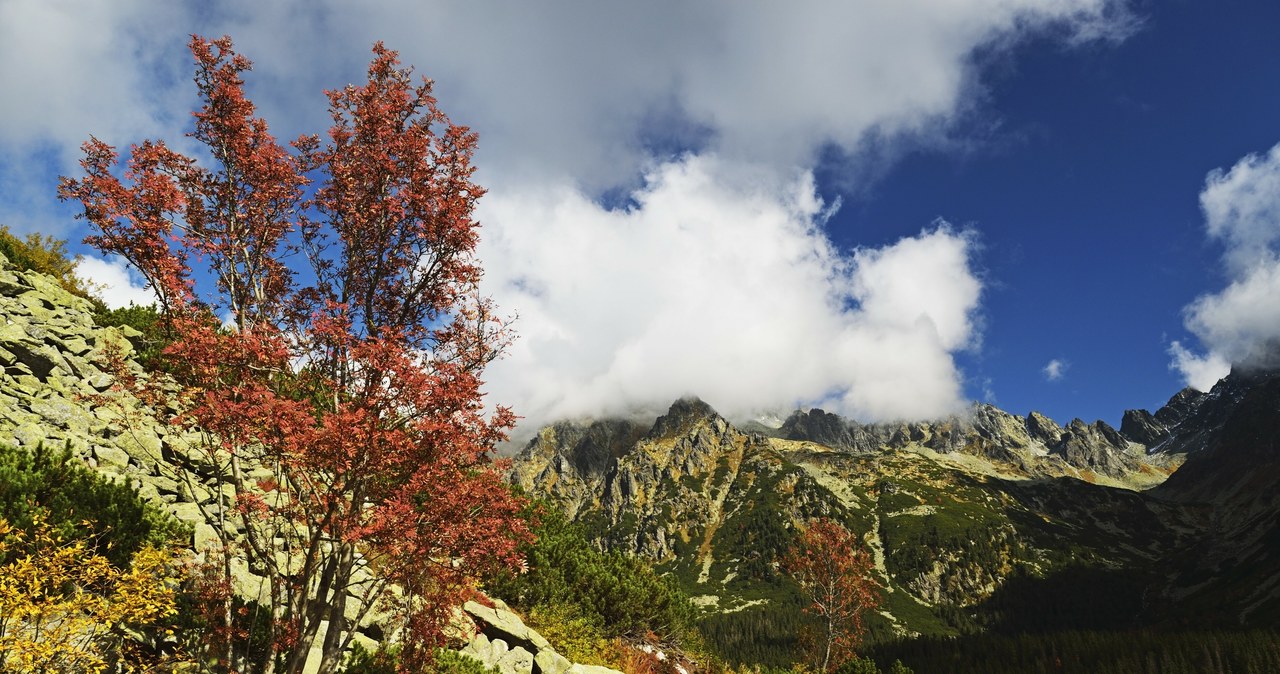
point(1087, 198)
point(887, 209)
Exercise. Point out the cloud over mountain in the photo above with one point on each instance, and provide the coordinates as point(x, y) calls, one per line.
point(1239, 324)
point(721, 283)
point(1055, 369)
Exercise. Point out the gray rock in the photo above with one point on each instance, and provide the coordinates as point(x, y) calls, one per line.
point(39, 359)
point(1042, 428)
point(111, 457)
point(516, 661)
point(1142, 426)
point(551, 662)
point(505, 624)
point(480, 648)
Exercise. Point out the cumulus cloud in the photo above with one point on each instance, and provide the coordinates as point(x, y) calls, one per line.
point(1055, 369)
point(1240, 324)
point(719, 282)
point(591, 90)
point(117, 284)
point(1242, 209)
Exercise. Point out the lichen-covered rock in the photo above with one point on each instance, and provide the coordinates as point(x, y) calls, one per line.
point(515, 661)
point(591, 669)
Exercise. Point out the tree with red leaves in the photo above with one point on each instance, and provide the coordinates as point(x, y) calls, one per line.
point(835, 572)
point(336, 397)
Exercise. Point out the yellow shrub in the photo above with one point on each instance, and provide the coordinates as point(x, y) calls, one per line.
point(575, 636)
point(64, 608)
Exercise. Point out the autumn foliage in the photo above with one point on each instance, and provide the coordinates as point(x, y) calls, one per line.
point(66, 608)
point(329, 339)
point(835, 574)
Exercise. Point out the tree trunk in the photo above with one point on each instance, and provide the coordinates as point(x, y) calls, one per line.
point(826, 656)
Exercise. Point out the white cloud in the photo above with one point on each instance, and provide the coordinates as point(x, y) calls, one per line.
point(1240, 324)
point(574, 89)
point(1055, 369)
point(1200, 372)
point(587, 89)
point(117, 284)
point(720, 283)
point(1242, 209)
point(114, 69)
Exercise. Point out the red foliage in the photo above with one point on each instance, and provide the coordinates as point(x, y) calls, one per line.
point(835, 572)
point(350, 360)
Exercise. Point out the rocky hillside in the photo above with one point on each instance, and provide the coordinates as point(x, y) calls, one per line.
point(53, 388)
point(972, 519)
point(56, 390)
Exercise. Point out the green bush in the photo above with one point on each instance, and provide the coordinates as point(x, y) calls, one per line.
point(78, 503)
point(46, 255)
point(620, 592)
point(146, 320)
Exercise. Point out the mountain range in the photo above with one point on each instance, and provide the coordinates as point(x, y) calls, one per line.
point(986, 521)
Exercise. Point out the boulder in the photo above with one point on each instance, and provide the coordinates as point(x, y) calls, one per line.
point(551, 662)
point(591, 669)
point(515, 661)
point(503, 624)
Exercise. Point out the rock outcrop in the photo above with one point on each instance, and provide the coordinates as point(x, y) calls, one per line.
point(54, 389)
point(503, 642)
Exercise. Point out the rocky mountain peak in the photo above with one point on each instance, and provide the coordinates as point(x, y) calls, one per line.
point(1043, 428)
point(683, 415)
point(822, 427)
point(1180, 406)
point(1238, 423)
point(1142, 426)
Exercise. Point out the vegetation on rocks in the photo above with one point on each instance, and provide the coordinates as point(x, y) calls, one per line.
point(66, 608)
point(573, 590)
point(46, 255)
point(77, 504)
point(89, 576)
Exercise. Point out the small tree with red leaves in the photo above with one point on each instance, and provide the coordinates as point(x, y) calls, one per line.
point(835, 573)
point(338, 404)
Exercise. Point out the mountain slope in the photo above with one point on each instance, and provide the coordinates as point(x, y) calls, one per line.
point(987, 521)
